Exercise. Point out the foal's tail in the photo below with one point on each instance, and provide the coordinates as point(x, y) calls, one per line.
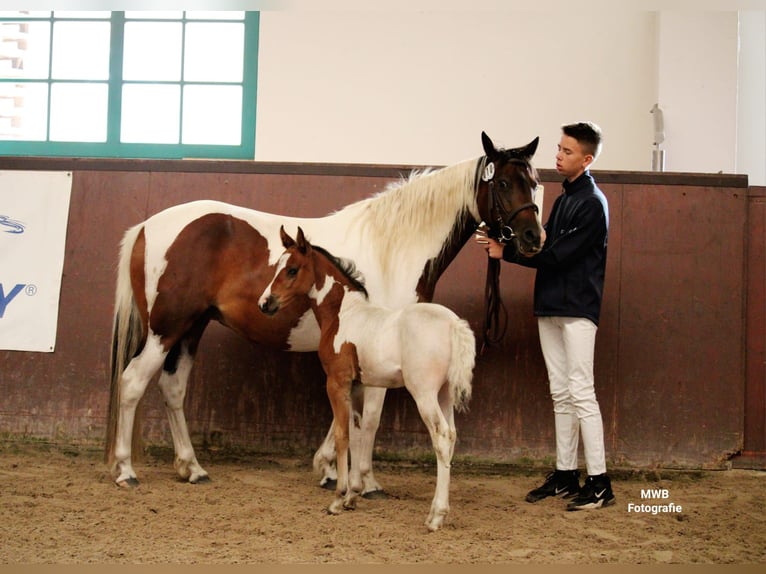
point(460, 372)
point(127, 334)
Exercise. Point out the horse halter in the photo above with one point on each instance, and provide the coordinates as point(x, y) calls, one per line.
point(495, 205)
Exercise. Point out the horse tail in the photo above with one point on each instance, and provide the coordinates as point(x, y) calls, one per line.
point(462, 361)
point(127, 335)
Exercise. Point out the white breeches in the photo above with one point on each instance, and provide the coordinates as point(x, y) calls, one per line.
point(568, 347)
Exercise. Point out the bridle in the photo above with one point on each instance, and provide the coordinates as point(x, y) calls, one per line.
point(495, 206)
point(494, 328)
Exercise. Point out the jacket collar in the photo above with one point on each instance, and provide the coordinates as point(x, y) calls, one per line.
point(585, 181)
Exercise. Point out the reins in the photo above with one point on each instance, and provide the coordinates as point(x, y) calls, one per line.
point(495, 323)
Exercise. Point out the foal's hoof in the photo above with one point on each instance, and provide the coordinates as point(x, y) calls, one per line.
point(129, 483)
point(379, 494)
point(204, 479)
point(433, 527)
point(435, 520)
point(329, 484)
point(336, 507)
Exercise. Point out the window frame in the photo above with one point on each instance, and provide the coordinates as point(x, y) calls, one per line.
point(113, 147)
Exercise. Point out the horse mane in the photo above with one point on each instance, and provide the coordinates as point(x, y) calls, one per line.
point(347, 268)
point(424, 204)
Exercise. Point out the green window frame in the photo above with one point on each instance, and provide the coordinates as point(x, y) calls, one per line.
point(114, 144)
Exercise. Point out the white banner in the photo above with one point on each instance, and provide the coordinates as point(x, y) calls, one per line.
point(34, 211)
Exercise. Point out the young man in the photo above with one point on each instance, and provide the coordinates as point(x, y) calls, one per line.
point(567, 302)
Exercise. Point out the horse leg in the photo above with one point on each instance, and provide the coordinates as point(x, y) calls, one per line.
point(373, 408)
point(438, 418)
point(324, 461)
point(355, 437)
point(173, 383)
point(338, 393)
point(133, 382)
point(361, 464)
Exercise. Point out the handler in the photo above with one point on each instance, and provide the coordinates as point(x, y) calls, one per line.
point(567, 301)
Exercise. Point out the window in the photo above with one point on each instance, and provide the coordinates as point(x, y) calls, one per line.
point(128, 84)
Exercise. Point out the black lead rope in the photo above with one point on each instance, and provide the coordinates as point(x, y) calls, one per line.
point(495, 312)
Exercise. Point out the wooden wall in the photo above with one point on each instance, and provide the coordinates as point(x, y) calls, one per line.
point(671, 349)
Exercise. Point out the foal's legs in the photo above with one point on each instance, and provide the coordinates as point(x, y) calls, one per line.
point(355, 437)
point(173, 382)
point(133, 383)
point(438, 416)
point(325, 462)
point(373, 408)
point(338, 391)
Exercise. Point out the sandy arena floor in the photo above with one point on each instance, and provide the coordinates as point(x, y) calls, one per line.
point(58, 505)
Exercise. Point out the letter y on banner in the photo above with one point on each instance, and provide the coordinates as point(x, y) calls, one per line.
point(34, 212)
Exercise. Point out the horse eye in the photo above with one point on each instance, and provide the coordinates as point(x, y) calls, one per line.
point(292, 271)
point(503, 184)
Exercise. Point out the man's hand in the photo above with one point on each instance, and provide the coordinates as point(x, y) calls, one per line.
point(493, 248)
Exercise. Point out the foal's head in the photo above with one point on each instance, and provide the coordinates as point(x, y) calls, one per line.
point(505, 195)
point(302, 270)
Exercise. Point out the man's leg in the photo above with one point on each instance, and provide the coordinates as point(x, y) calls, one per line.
point(564, 480)
point(579, 340)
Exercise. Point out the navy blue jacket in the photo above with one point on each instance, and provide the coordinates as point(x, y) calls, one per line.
point(571, 266)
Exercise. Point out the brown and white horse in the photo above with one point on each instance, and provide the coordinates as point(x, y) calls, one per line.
point(208, 260)
point(423, 347)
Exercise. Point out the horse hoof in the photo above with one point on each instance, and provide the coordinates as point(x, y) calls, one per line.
point(329, 484)
point(335, 508)
point(435, 521)
point(433, 527)
point(130, 482)
point(375, 495)
point(204, 479)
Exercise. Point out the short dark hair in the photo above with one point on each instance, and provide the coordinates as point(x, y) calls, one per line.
point(587, 134)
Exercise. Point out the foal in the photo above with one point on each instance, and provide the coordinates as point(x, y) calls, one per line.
point(423, 346)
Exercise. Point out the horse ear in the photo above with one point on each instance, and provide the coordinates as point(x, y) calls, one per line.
point(287, 241)
point(489, 147)
point(303, 244)
point(529, 150)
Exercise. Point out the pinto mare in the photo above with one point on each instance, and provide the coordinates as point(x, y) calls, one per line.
point(207, 260)
point(423, 347)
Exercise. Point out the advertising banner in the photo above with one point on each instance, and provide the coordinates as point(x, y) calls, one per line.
point(34, 211)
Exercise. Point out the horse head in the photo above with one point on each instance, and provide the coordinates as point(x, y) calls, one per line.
point(294, 276)
point(506, 185)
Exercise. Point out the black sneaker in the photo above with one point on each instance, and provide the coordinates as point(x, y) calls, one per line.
point(595, 493)
point(565, 483)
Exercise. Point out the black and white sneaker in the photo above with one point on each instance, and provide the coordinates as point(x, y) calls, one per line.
point(595, 493)
point(564, 483)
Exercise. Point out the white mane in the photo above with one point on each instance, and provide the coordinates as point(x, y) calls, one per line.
point(419, 209)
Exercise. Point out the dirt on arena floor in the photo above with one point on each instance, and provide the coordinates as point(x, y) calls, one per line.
point(59, 505)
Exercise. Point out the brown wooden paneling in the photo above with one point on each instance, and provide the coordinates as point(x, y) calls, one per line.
point(669, 358)
point(681, 324)
point(754, 452)
point(337, 169)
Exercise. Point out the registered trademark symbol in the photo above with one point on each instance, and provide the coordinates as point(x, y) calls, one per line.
point(30, 290)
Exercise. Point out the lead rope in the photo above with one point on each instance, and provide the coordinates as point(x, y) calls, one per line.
point(495, 324)
point(495, 312)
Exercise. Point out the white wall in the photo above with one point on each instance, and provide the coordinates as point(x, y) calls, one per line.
point(751, 103)
point(418, 87)
point(698, 90)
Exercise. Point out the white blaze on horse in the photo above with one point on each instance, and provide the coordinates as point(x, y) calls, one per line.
point(423, 347)
point(208, 260)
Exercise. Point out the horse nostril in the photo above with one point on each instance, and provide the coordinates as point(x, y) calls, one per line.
point(269, 306)
point(531, 237)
